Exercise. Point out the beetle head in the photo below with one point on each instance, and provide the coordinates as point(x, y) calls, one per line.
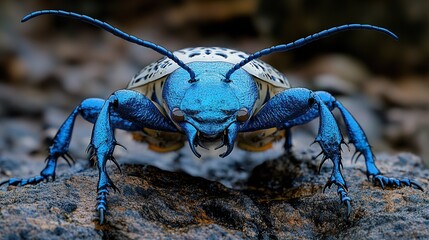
point(210, 109)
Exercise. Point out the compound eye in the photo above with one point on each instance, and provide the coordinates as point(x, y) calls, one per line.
point(243, 115)
point(177, 115)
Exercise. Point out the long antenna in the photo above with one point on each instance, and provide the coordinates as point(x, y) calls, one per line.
point(303, 41)
point(114, 31)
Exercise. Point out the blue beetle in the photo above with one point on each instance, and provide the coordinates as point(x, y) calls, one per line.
point(210, 97)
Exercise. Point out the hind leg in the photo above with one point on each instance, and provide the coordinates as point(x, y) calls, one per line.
point(359, 140)
point(89, 110)
point(357, 137)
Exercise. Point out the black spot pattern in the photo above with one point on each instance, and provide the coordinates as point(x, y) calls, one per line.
point(165, 66)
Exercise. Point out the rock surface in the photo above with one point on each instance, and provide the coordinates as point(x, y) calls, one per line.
point(282, 199)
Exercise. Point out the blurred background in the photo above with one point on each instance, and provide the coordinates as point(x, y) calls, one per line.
point(49, 64)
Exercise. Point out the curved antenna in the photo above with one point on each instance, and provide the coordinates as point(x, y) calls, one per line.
point(303, 41)
point(114, 31)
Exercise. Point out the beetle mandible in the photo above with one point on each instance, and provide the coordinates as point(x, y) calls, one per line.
point(209, 96)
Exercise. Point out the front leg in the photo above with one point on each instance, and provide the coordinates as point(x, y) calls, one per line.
point(295, 103)
point(133, 107)
point(283, 107)
point(329, 138)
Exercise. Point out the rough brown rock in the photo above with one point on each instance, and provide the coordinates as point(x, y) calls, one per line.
point(283, 198)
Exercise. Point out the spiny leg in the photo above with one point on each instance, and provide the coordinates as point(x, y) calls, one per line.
point(359, 140)
point(134, 107)
point(329, 138)
point(59, 148)
point(101, 147)
point(356, 136)
point(292, 106)
point(89, 110)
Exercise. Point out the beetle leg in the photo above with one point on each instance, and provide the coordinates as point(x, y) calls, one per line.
point(274, 113)
point(359, 140)
point(288, 141)
point(89, 110)
point(329, 138)
point(357, 137)
point(58, 149)
point(101, 147)
point(301, 105)
point(136, 109)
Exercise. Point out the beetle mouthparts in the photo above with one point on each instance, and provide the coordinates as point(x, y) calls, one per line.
point(196, 139)
point(229, 139)
point(192, 134)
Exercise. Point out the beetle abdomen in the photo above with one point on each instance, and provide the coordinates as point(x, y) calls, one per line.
point(260, 140)
point(160, 141)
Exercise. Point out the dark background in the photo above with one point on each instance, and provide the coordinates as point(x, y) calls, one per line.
point(49, 64)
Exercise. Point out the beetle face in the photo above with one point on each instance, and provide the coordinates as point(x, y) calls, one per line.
point(209, 108)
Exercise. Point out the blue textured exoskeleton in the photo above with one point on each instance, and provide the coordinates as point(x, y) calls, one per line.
point(210, 96)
